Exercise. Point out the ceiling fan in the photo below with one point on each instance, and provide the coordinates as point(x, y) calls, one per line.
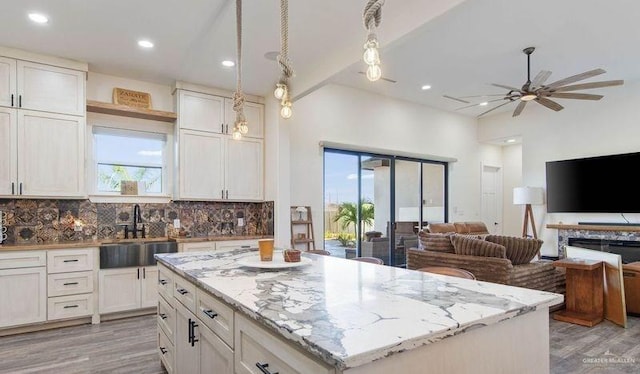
point(536, 90)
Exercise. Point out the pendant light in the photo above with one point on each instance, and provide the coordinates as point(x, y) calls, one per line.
point(371, 17)
point(283, 90)
point(241, 126)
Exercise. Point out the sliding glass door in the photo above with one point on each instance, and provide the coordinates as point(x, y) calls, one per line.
point(376, 204)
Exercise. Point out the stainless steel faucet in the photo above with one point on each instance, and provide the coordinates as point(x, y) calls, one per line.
point(137, 218)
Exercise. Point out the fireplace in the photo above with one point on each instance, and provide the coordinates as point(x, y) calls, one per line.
point(629, 250)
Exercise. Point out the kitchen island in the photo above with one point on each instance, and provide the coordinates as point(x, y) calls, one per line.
point(341, 316)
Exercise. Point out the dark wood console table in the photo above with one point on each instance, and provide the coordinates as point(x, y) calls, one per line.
point(585, 292)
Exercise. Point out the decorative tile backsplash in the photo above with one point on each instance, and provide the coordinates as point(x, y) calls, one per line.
point(38, 221)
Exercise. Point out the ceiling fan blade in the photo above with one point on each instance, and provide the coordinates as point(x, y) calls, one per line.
point(456, 99)
point(472, 105)
point(550, 104)
point(494, 108)
point(542, 77)
point(578, 96)
point(474, 96)
point(588, 86)
point(506, 87)
point(575, 78)
point(519, 108)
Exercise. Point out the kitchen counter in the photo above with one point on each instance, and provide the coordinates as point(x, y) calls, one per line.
point(349, 314)
point(97, 243)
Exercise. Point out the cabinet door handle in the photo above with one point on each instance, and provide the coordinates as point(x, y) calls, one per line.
point(162, 282)
point(163, 316)
point(189, 331)
point(222, 194)
point(70, 306)
point(71, 283)
point(11, 99)
point(222, 128)
point(20, 188)
point(182, 291)
point(263, 368)
point(74, 260)
point(226, 131)
point(13, 188)
point(138, 273)
point(227, 195)
point(209, 313)
point(163, 350)
point(19, 101)
point(144, 273)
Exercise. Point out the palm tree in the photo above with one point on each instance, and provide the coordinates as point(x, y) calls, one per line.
point(348, 214)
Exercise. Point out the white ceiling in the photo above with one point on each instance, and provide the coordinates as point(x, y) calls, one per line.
point(472, 44)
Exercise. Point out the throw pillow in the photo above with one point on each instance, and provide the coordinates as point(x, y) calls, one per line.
point(463, 245)
point(519, 250)
point(436, 242)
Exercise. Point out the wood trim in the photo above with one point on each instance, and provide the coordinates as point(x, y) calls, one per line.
point(594, 227)
point(214, 91)
point(125, 111)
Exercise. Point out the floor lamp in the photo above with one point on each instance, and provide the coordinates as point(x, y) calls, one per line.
point(528, 196)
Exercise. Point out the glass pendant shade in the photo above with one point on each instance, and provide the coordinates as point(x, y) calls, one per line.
point(286, 111)
point(371, 55)
point(280, 92)
point(374, 72)
point(243, 128)
point(236, 135)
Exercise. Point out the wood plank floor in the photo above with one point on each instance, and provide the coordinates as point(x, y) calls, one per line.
point(120, 346)
point(129, 346)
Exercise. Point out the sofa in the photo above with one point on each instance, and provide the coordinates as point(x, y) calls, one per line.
point(491, 258)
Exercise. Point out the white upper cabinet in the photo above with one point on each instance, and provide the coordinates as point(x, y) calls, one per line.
point(50, 89)
point(201, 112)
point(50, 154)
point(8, 155)
point(253, 113)
point(7, 82)
point(244, 169)
point(201, 165)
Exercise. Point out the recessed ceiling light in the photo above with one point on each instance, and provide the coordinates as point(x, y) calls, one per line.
point(484, 103)
point(425, 87)
point(38, 18)
point(510, 141)
point(145, 43)
point(228, 63)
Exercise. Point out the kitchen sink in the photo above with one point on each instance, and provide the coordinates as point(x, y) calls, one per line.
point(130, 254)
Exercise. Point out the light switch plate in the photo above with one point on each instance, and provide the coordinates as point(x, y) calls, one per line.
point(176, 223)
point(240, 222)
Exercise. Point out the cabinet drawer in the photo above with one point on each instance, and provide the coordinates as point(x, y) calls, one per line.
point(64, 261)
point(69, 283)
point(166, 318)
point(167, 351)
point(216, 315)
point(256, 346)
point(23, 259)
point(70, 306)
point(185, 292)
point(165, 283)
point(237, 244)
point(197, 247)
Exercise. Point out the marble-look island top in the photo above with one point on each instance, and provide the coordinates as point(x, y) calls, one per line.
point(350, 313)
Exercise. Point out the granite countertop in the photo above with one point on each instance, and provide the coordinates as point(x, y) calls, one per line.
point(350, 313)
point(97, 243)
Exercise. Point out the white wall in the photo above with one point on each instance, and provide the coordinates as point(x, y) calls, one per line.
point(582, 129)
point(345, 115)
point(512, 215)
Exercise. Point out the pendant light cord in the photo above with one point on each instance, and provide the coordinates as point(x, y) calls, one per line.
point(238, 96)
point(283, 58)
point(372, 14)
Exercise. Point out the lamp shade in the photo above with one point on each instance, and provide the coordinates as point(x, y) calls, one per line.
point(527, 195)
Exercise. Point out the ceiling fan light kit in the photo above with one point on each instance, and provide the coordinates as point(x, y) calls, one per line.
point(536, 90)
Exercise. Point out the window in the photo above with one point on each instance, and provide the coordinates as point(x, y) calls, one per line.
point(125, 155)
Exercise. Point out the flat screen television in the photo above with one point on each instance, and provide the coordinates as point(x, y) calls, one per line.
point(602, 184)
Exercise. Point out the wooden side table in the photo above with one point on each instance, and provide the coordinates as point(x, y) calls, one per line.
point(585, 292)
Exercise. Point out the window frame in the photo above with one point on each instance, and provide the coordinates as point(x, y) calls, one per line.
point(117, 124)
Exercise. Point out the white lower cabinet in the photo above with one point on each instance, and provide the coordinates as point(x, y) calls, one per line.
point(256, 348)
point(23, 296)
point(198, 349)
point(126, 289)
point(167, 352)
point(197, 247)
point(72, 306)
